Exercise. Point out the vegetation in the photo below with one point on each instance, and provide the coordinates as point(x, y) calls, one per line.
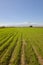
point(21, 46)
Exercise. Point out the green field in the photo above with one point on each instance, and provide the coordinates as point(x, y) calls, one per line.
point(21, 46)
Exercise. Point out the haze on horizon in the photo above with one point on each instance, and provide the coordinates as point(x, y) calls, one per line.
point(21, 12)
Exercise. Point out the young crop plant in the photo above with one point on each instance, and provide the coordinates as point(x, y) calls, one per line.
point(31, 57)
point(6, 57)
point(15, 59)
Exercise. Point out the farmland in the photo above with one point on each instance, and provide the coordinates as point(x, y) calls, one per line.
point(21, 46)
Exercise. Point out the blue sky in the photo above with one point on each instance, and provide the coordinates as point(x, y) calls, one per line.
point(21, 12)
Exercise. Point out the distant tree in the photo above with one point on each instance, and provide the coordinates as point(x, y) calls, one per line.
point(30, 26)
point(2, 27)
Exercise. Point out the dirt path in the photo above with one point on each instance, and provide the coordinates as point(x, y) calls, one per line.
point(23, 53)
point(40, 59)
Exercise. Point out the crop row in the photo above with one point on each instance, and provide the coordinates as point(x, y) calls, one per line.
point(30, 55)
point(6, 57)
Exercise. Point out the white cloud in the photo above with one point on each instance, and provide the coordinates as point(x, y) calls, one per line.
point(20, 24)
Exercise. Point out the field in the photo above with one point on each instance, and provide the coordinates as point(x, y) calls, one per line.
point(21, 46)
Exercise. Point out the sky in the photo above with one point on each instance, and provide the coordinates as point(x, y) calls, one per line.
point(21, 12)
